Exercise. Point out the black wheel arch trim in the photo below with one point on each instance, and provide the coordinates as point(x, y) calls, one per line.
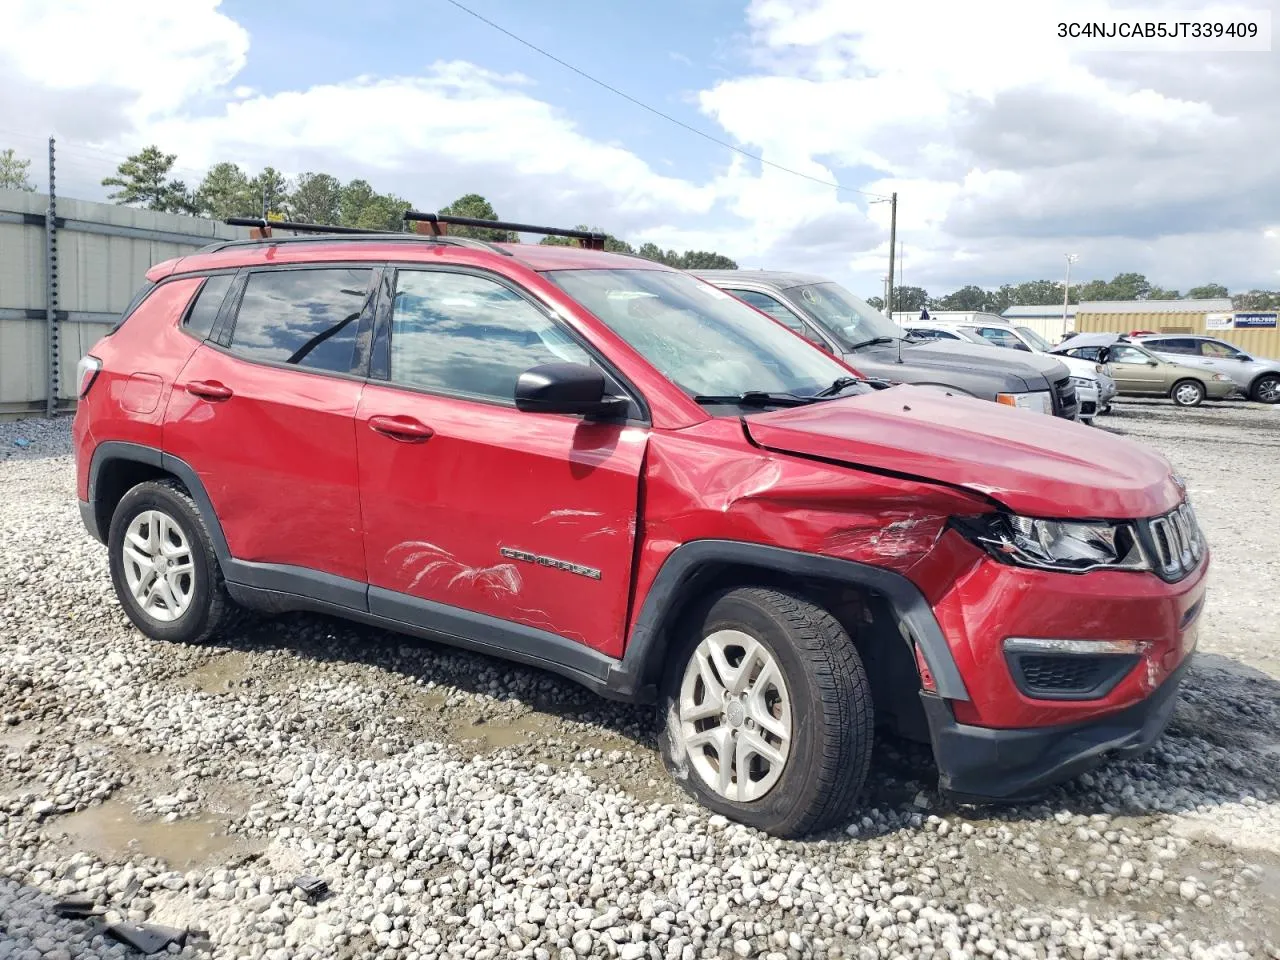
point(647, 645)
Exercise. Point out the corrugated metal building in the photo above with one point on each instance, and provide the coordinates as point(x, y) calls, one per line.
point(1254, 332)
point(104, 252)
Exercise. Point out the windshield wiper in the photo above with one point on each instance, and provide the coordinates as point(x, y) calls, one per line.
point(873, 342)
point(757, 398)
point(839, 386)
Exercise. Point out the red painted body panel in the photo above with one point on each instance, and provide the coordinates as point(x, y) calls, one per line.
point(991, 602)
point(1036, 465)
point(278, 460)
point(119, 407)
point(438, 512)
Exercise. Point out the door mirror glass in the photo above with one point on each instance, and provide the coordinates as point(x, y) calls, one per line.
point(572, 388)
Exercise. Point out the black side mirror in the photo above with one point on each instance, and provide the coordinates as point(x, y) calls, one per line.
point(572, 388)
point(1153, 363)
point(1244, 359)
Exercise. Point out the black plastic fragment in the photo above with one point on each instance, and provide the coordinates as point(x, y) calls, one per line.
point(81, 906)
point(313, 888)
point(147, 937)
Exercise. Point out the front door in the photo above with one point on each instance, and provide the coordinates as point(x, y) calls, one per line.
point(1134, 371)
point(470, 503)
point(266, 422)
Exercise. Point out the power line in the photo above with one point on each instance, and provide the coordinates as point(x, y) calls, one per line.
point(656, 112)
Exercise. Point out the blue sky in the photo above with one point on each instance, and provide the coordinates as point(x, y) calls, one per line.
point(1008, 148)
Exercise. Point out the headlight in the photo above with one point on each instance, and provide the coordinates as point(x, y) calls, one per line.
point(1039, 401)
point(1055, 544)
point(1083, 382)
point(1220, 376)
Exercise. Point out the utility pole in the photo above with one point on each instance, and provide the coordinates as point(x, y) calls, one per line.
point(1066, 291)
point(885, 298)
point(893, 243)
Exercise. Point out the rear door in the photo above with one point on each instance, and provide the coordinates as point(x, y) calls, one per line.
point(472, 506)
point(264, 413)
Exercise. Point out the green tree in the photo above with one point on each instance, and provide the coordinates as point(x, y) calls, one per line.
point(910, 299)
point(1257, 300)
point(1091, 290)
point(877, 302)
point(316, 198)
point(966, 298)
point(225, 192)
point(144, 181)
point(651, 251)
point(477, 208)
point(13, 172)
point(705, 260)
point(1129, 286)
point(1209, 291)
point(1160, 293)
point(271, 194)
point(359, 205)
point(1037, 293)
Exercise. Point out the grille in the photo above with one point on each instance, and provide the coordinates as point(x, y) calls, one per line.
point(1069, 676)
point(1065, 403)
point(1061, 673)
point(1174, 542)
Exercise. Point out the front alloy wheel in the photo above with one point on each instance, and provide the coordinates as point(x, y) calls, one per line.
point(766, 711)
point(157, 565)
point(1267, 389)
point(735, 716)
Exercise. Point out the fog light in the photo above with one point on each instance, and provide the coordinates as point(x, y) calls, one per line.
point(1082, 647)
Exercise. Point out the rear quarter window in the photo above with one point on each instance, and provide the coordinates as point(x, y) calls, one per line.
point(204, 311)
point(143, 292)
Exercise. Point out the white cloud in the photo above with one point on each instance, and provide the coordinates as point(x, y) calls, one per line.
point(1006, 146)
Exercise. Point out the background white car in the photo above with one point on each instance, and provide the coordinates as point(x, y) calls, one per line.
point(1094, 387)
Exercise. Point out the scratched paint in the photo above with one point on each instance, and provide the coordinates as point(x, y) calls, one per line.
point(441, 569)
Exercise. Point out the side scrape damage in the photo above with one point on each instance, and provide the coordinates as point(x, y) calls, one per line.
point(441, 569)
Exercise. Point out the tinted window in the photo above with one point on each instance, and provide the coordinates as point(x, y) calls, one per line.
point(208, 302)
point(1212, 348)
point(458, 333)
point(307, 317)
point(1002, 338)
point(931, 334)
point(1085, 353)
point(1173, 345)
point(767, 304)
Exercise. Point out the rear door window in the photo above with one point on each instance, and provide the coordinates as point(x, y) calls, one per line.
point(1220, 351)
point(1002, 338)
point(204, 311)
point(308, 318)
point(1182, 345)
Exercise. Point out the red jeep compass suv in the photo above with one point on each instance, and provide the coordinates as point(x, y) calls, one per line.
point(607, 468)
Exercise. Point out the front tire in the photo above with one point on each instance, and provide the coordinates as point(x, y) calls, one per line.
point(1266, 389)
point(773, 684)
point(163, 566)
point(1187, 393)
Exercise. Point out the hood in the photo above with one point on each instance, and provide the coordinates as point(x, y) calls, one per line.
point(956, 355)
point(1079, 367)
point(1033, 464)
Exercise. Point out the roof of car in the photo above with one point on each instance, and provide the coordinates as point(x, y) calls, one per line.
point(782, 279)
point(319, 249)
point(1087, 340)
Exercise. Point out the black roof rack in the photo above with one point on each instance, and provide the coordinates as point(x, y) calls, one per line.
point(263, 231)
point(433, 224)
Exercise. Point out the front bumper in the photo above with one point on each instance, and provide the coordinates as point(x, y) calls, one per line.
point(982, 763)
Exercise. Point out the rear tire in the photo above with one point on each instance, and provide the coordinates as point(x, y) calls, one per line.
point(164, 568)
point(795, 723)
point(1266, 389)
point(1187, 393)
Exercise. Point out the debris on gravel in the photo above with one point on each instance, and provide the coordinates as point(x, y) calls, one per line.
point(457, 806)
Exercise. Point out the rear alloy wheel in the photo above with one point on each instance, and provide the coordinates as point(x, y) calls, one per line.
point(767, 714)
point(1266, 389)
point(1188, 393)
point(163, 566)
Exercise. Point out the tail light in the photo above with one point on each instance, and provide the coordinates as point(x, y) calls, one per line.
point(87, 371)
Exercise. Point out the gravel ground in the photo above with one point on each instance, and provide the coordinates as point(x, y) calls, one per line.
point(463, 807)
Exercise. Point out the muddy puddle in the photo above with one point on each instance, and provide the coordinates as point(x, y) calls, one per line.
point(223, 674)
point(112, 832)
point(496, 733)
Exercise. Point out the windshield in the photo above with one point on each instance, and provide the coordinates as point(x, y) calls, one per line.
point(702, 339)
point(1037, 342)
point(851, 320)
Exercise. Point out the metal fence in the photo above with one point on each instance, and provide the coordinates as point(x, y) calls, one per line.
point(67, 270)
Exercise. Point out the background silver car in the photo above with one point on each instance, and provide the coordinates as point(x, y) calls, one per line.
point(1257, 379)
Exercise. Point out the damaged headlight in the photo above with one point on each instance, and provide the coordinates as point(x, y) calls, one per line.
point(1056, 544)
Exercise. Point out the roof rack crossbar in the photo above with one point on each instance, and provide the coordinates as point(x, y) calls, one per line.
point(262, 232)
point(435, 222)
